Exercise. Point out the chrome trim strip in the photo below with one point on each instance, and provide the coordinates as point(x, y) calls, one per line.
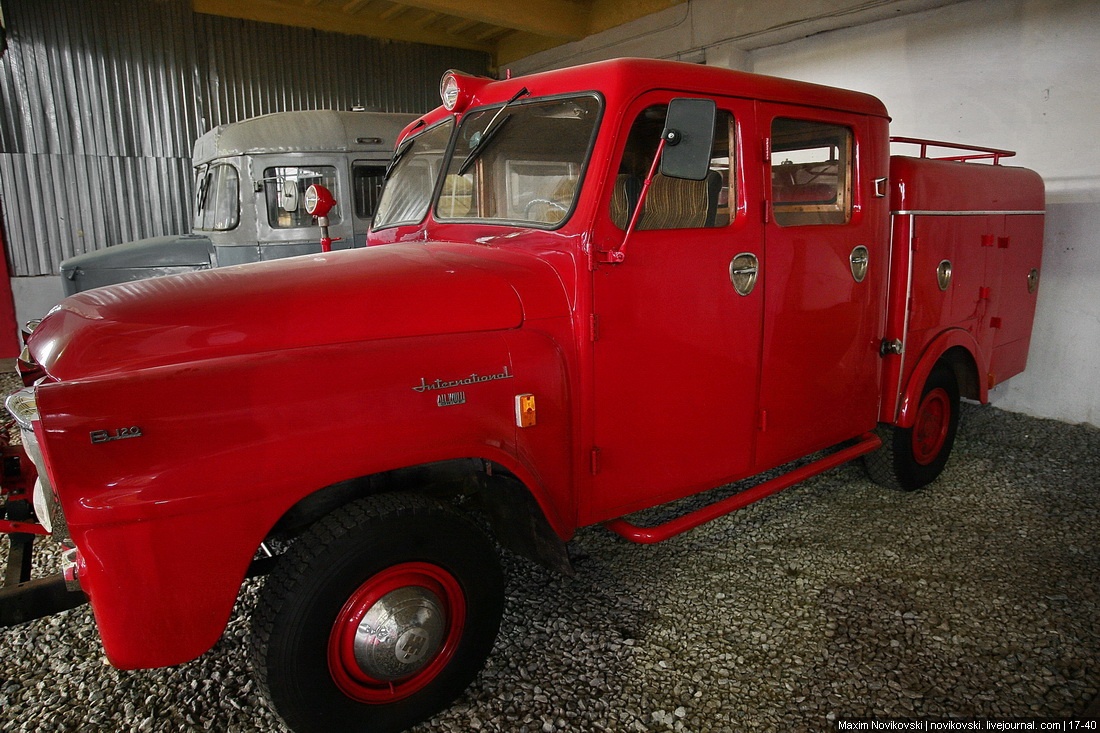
point(905, 326)
point(914, 212)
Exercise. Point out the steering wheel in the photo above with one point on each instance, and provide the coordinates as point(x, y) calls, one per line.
point(816, 172)
point(545, 202)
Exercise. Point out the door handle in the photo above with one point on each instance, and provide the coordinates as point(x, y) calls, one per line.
point(744, 271)
point(859, 259)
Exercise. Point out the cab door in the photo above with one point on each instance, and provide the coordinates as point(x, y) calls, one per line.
point(676, 349)
point(824, 274)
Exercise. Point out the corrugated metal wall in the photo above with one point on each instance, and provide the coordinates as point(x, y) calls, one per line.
point(101, 102)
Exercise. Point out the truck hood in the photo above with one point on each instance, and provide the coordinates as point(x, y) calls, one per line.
point(388, 291)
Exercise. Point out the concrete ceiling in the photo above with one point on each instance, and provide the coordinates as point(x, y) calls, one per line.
point(505, 29)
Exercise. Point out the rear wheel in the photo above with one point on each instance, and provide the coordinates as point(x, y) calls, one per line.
point(377, 617)
point(913, 457)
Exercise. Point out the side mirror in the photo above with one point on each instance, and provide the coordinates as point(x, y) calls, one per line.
point(689, 136)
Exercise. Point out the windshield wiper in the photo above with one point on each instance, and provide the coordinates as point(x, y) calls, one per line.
point(481, 141)
point(398, 155)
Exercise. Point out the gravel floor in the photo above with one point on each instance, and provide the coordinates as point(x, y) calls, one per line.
point(979, 595)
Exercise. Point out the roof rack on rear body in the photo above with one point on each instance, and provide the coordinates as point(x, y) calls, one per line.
point(976, 153)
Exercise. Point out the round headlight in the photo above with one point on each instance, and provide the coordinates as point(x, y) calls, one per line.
point(23, 406)
point(449, 90)
point(318, 200)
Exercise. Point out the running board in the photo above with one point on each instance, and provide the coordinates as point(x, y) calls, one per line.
point(647, 535)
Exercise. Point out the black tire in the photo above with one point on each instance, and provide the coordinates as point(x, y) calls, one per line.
point(304, 653)
point(914, 457)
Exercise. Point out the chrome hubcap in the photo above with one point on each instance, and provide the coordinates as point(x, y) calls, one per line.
point(400, 633)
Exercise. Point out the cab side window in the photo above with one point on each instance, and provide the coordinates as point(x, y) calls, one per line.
point(811, 172)
point(285, 193)
point(674, 203)
point(366, 184)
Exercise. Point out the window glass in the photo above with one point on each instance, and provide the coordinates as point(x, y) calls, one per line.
point(217, 197)
point(366, 185)
point(811, 170)
point(674, 203)
point(522, 164)
point(408, 191)
point(285, 194)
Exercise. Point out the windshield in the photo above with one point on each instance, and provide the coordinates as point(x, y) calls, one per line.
point(217, 197)
point(527, 169)
point(408, 192)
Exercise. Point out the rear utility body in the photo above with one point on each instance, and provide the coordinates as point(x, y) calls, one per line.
point(589, 292)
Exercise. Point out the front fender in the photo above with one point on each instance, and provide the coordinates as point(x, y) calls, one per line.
point(168, 522)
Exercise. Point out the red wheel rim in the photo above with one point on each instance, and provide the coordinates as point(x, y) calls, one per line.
point(436, 587)
point(930, 430)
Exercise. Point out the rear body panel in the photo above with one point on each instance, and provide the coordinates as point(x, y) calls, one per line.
point(986, 223)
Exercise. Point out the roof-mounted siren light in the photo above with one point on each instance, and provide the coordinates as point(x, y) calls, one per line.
point(319, 201)
point(457, 89)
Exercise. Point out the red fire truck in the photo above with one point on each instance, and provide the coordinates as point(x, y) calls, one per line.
point(592, 291)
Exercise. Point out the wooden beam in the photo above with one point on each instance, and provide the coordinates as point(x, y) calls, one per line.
point(462, 26)
point(564, 19)
point(610, 13)
point(353, 7)
point(393, 11)
point(605, 14)
point(269, 11)
point(426, 20)
point(521, 45)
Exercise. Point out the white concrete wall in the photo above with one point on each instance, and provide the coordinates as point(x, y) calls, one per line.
point(1017, 74)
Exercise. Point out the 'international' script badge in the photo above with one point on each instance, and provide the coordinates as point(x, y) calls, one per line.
point(474, 378)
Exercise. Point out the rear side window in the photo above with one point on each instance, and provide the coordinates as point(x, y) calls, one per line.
point(285, 194)
point(811, 171)
point(217, 198)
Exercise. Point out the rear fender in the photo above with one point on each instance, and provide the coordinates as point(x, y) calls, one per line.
point(960, 351)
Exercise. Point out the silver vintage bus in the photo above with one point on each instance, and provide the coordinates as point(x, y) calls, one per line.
point(250, 182)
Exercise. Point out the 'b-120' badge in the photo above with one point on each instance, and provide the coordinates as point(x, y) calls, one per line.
point(104, 436)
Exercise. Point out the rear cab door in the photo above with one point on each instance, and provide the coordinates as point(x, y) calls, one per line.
point(824, 276)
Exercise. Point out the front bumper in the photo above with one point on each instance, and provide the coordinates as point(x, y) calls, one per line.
point(23, 599)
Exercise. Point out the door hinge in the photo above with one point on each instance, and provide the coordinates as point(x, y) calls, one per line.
point(595, 461)
point(763, 422)
point(593, 327)
point(767, 213)
point(890, 346)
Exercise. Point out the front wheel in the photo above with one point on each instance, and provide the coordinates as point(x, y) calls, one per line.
point(377, 617)
point(913, 457)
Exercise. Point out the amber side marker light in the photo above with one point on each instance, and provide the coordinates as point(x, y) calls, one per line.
point(525, 410)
